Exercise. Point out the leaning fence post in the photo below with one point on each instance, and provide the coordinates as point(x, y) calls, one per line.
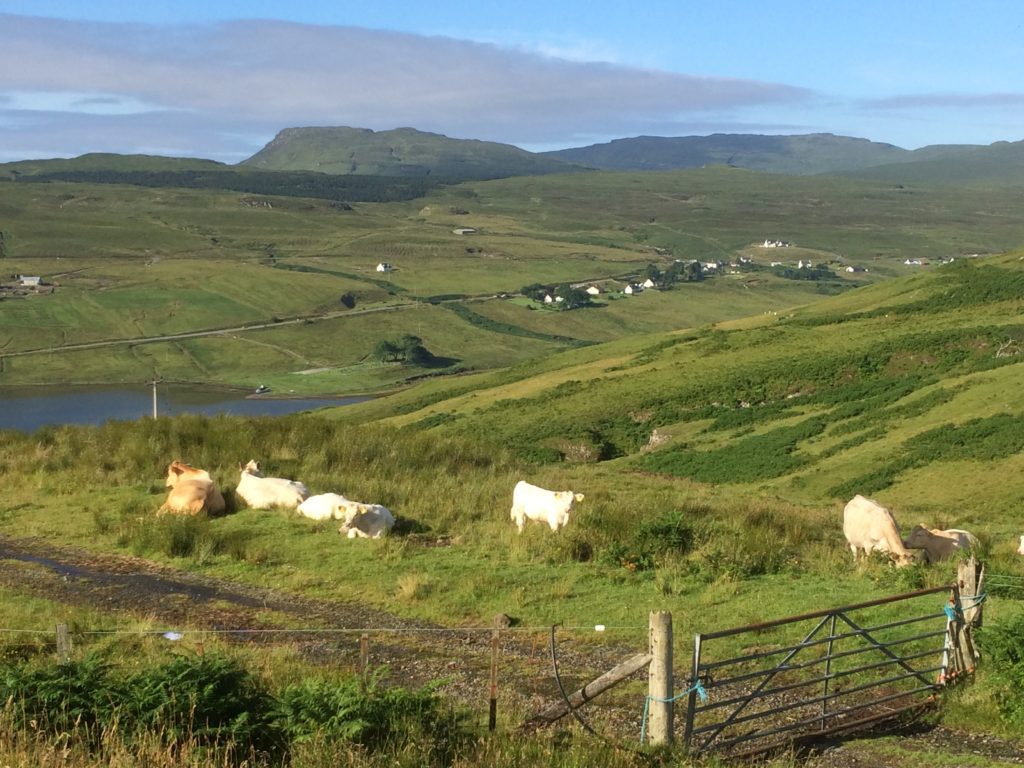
point(63, 643)
point(660, 681)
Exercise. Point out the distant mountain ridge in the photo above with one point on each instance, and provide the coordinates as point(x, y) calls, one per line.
point(431, 158)
point(796, 155)
point(399, 152)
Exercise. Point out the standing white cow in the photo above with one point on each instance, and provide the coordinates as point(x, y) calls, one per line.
point(1020, 549)
point(324, 506)
point(259, 492)
point(870, 527)
point(532, 503)
point(367, 521)
point(939, 545)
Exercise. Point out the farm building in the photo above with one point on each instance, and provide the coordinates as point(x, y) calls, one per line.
point(384, 267)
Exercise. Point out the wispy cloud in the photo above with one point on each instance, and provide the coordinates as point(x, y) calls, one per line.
point(947, 101)
point(223, 90)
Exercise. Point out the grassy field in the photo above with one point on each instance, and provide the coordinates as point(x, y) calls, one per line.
point(131, 263)
point(716, 429)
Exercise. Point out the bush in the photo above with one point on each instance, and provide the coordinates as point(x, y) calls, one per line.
point(369, 714)
point(213, 702)
point(668, 534)
point(1003, 644)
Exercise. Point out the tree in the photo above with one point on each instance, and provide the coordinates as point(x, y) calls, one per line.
point(572, 298)
point(386, 351)
point(534, 291)
point(348, 300)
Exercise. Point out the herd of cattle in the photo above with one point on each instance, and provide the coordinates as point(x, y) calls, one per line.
point(868, 526)
point(193, 491)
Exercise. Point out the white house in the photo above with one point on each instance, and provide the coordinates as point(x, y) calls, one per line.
point(594, 290)
point(384, 267)
point(465, 231)
point(804, 264)
point(549, 299)
point(648, 283)
point(30, 281)
point(631, 289)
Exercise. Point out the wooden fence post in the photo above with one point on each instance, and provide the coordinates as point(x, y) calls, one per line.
point(492, 712)
point(971, 580)
point(660, 680)
point(364, 655)
point(63, 643)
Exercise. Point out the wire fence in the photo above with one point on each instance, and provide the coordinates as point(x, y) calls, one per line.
point(499, 675)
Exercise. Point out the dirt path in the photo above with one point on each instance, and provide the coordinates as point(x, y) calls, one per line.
point(415, 653)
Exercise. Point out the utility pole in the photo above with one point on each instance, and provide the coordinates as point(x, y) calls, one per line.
point(154, 383)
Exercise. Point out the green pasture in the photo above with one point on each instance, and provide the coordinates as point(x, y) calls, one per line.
point(132, 262)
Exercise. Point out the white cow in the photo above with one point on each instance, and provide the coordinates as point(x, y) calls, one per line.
point(259, 492)
point(869, 526)
point(324, 506)
point(367, 521)
point(533, 503)
point(1020, 549)
point(938, 545)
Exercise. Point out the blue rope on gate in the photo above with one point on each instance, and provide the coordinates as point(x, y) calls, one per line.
point(696, 687)
point(953, 611)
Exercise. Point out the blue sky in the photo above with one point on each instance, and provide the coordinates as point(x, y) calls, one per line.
point(219, 79)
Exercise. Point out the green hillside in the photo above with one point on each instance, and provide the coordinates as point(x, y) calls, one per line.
point(803, 154)
point(1000, 164)
point(130, 263)
point(400, 152)
point(105, 161)
point(890, 389)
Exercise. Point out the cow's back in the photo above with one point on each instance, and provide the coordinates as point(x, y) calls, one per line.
point(867, 524)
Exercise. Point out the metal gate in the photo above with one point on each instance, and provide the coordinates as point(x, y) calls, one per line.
point(818, 672)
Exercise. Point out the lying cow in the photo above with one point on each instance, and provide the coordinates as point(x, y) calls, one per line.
point(366, 521)
point(192, 491)
point(532, 503)
point(939, 545)
point(259, 492)
point(324, 506)
point(870, 527)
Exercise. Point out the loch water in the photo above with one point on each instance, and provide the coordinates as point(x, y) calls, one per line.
point(29, 408)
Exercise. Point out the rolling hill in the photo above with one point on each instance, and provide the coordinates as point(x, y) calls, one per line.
point(999, 164)
point(400, 152)
point(894, 388)
point(803, 155)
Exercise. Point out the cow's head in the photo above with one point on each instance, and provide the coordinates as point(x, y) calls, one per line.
point(253, 468)
point(349, 513)
point(174, 472)
point(578, 497)
point(919, 536)
point(909, 558)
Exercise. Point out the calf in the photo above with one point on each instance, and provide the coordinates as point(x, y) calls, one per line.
point(939, 545)
point(532, 503)
point(367, 521)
